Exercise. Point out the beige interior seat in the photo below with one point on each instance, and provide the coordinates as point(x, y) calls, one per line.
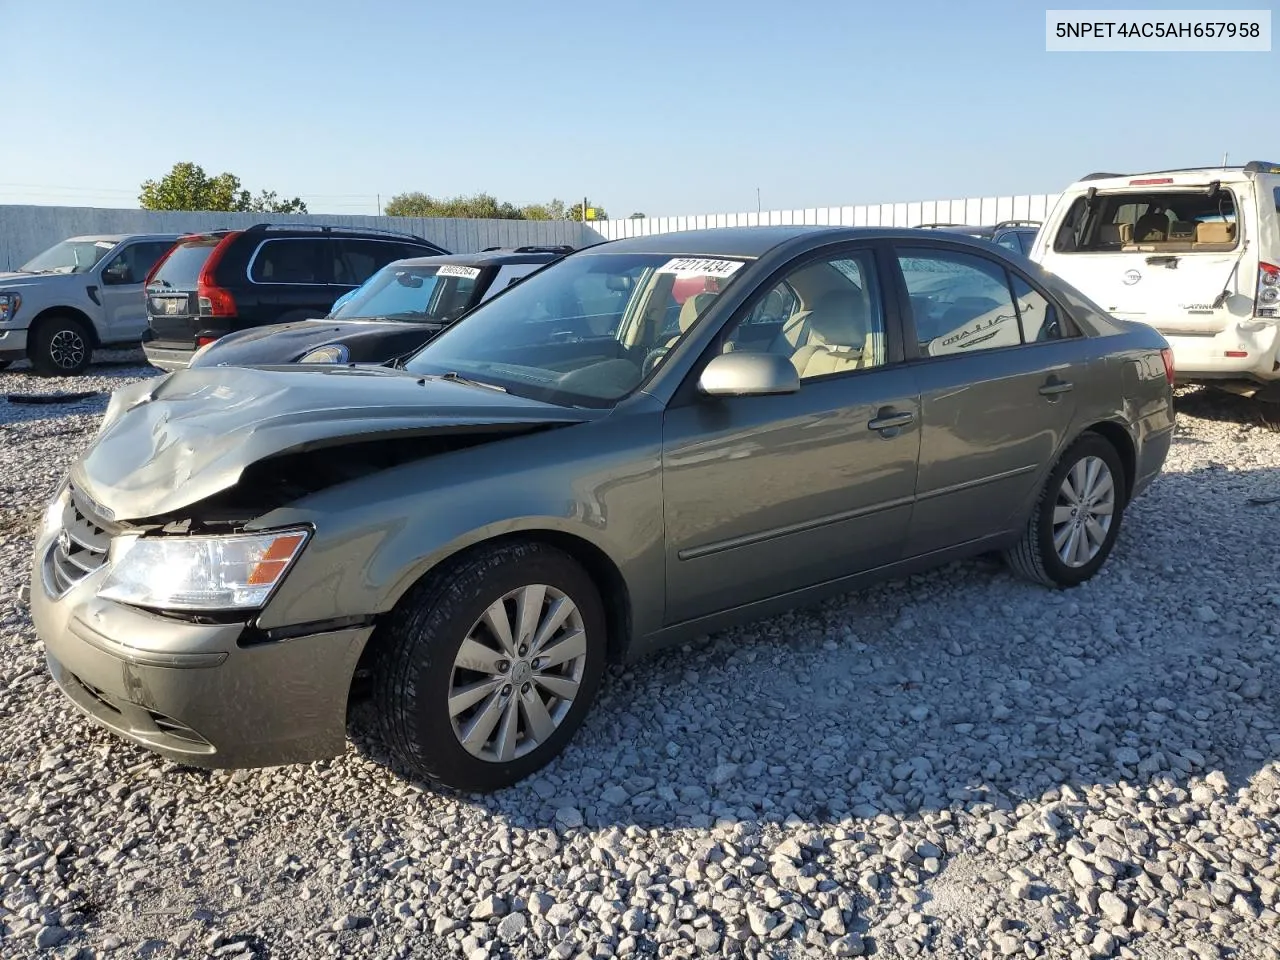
point(838, 329)
point(1109, 234)
point(1215, 234)
point(1182, 230)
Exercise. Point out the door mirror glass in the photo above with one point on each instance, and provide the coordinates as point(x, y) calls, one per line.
point(748, 375)
point(117, 271)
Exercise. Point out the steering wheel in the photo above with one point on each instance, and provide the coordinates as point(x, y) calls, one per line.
point(652, 359)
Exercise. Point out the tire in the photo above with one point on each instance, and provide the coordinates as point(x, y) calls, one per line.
point(1036, 557)
point(61, 346)
point(4, 364)
point(415, 673)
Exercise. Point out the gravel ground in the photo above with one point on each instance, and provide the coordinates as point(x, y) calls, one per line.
point(958, 765)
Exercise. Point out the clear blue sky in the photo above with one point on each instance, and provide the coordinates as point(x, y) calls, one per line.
point(657, 106)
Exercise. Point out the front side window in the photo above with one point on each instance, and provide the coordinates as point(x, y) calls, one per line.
point(543, 337)
point(355, 261)
point(69, 256)
point(134, 262)
point(289, 260)
point(826, 317)
point(960, 302)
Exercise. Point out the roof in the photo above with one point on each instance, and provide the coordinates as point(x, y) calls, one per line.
point(755, 242)
point(484, 258)
point(118, 237)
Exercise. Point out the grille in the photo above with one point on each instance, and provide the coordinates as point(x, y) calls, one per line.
point(82, 545)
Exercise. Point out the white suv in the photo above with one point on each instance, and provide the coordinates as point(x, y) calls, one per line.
point(1194, 253)
point(82, 293)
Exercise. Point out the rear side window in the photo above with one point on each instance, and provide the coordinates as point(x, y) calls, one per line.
point(1136, 222)
point(961, 303)
point(181, 269)
point(1037, 315)
point(1276, 195)
point(355, 261)
point(289, 260)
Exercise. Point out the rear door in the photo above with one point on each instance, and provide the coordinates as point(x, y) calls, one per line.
point(172, 307)
point(999, 369)
point(293, 278)
point(1160, 255)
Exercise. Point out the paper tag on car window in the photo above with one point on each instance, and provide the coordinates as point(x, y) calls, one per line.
point(457, 270)
point(700, 267)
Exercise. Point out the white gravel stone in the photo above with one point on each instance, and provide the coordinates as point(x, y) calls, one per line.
point(901, 762)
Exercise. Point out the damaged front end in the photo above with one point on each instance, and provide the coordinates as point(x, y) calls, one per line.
point(161, 551)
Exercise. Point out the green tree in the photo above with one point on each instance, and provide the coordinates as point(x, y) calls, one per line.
point(555, 210)
point(481, 206)
point(575, 211)
point(188, 187)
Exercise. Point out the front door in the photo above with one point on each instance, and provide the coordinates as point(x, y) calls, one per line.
point(124, 305)
point(766, 495)
point(999, 371)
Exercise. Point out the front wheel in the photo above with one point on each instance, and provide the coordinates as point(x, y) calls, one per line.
point(1076, 519)
point(489, 668)
point(61, 347)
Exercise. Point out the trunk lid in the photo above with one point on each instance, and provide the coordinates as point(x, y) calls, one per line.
point(173, 310)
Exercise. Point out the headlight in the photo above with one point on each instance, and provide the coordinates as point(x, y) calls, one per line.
point(200, 573)
point(53, 512)
point(331, 353)
point(9, 304)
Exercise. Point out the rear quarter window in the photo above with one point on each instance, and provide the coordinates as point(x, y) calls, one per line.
point(290, 260)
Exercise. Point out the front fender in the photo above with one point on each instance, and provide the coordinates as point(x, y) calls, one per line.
point(379, 535)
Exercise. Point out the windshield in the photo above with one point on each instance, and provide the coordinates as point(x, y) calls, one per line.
point(70, 256)
point(585, 331)
point(413, 293)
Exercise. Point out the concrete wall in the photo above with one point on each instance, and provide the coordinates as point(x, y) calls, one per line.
point(978, 211)
point(27, 230)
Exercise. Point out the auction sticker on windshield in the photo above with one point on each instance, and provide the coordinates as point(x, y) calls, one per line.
point(699, 267)
point(457, 270)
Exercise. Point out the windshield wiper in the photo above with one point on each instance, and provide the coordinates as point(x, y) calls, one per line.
point(459, 378)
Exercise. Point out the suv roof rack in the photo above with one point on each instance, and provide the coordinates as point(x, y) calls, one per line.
point(934, 226)
point(326, 228)
point(1261, 166)
point(1018, 223)
point(1104, 176)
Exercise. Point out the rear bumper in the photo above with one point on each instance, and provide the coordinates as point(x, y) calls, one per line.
point(168, 357)
point(1210, 357)
point(13, 344)
point(190, 692)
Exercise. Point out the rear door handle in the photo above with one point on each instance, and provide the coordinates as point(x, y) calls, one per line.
point(889, 420)
point(1053, 386)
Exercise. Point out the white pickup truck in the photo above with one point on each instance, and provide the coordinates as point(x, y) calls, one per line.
point(82, 293)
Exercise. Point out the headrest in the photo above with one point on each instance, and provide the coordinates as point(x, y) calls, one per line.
point(839, 317)
point(1218, 231)
point(693, 308)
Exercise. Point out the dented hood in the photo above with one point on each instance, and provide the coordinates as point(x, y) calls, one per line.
point(174, 441)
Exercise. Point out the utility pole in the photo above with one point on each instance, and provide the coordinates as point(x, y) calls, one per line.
point(584, 209)
point(757, 199)
point(379, 204)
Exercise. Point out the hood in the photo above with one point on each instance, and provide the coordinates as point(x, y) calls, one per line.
point(174, 441)
point(16, 280)
point(288, 342)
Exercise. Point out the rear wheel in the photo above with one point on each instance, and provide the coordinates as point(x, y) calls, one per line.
point(1077, 518)
point(489, 668)
point(61, 346)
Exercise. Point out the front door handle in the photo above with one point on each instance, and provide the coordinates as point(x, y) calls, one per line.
point(1053, 386)
point(889, 419)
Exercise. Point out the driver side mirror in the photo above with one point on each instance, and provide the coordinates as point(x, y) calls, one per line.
point(748, 374)
point(118, 272)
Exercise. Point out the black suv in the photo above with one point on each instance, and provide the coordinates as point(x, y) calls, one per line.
point(393, 313)
point(210, 284)
point(1015, 235)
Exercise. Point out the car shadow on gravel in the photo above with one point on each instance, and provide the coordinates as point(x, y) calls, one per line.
point(956, 689)
point(1207, 403)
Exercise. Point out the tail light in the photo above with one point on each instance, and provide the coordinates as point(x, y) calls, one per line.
point(204, 341)
point(1267, 301)
point(1167, 356)
point(213, 300)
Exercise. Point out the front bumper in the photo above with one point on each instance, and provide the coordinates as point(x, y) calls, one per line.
point(13, 344)
point(189, 691)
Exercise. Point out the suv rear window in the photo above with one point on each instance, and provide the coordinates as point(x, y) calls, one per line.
point(181, 269)
point(1131, 222)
